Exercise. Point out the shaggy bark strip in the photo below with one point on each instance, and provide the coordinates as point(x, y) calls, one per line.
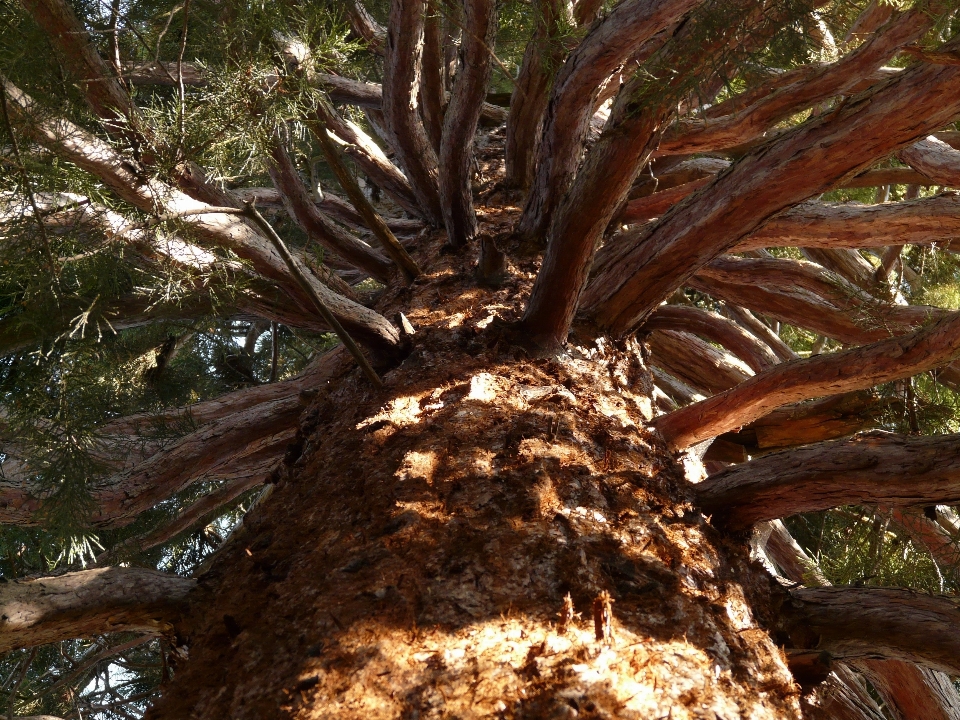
point(401, 93)
point(687, 357)
point(828, 81)
point(715, 328)
point(855, 622)
point(571, 103)
point(300, 206)
point(803, 163)
point(460, 122)
point(857, 369)
point(157, 198)
point(37, 611)
point(875, 468)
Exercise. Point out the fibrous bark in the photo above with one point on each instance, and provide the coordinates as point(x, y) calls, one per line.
point(695, 361)
point(930, 347)
point(401, 95)
point(568, 113)
point(852, 622)
point(460, 122)
point(882, 468)
point(79, 604)
point(802, 163)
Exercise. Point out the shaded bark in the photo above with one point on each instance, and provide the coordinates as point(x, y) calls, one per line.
point(365, 27)
point(852, 622)
point(695, 361)
point(37, 611)
point(874, 468)
point(401, 93)
point(370, 158)
point(528, 102)
point(319, 228)
point(432, 91)
point(460, 122)
point(803, 163)
point(809, 422)
point(857, 369)
point(912, 692)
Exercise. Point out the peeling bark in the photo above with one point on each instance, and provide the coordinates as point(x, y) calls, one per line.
point(935, 159)
point(696, 362)
point(37, 611)
point(860, 368)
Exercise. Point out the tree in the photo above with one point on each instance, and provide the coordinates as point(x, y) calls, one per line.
point(431, 358)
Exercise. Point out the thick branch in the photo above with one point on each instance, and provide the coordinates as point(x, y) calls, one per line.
point(857, 369)
point(460, 122)
point(401, 92)
point(568, 113)
point(851, 622)
point(935, 159)
point(91, 602)
point(875, 468)
point(803, 163)
point(695, 361)
point(714, 328)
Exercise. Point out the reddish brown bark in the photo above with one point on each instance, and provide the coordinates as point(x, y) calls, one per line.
point(930, 347)
point(852, 622)
point(804, 162)
point(809, 422)
point(460, 122)
point(834, 79)
point(80, 604)
point(714, 328)
point(881, 468)
point(365, 27)
point(935, 159)
point(528, 102)
point(695, 361)
point(432, 90)
point(319, 228)
point(401, 112)
point(570, 107)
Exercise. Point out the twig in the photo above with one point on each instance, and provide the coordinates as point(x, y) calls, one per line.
point(16, 686)
point(45, 240)
point(183, 98)
point(359, 201)
point(250, 211)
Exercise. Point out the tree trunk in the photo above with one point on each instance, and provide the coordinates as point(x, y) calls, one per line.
point(450, 517)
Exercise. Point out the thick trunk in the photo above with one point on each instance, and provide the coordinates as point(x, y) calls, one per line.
point(80, 604)
point(460, 122)
point(803, 163)
point(432, 91)
point(448, 519)
point(930, 347)
point(881, 468)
